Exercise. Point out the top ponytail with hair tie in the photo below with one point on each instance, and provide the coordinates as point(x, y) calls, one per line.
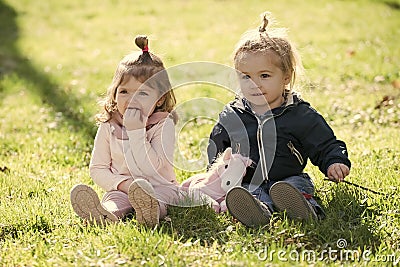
point(146, 57)
point(142, 42)
point(265, 21)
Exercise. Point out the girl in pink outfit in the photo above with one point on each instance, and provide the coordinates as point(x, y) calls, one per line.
point(132, 158)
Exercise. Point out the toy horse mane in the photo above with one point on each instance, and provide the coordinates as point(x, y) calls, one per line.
point(217, 163)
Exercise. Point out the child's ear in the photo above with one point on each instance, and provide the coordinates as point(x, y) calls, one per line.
point(287, 79)
point(227, 154)
point(160, 102)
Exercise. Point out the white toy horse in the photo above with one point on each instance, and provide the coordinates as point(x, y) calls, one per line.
point(212, 186)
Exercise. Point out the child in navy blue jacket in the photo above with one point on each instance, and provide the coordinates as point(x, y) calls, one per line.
point(278, 130)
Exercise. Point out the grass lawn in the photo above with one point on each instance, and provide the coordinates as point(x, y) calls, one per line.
point(57, 59)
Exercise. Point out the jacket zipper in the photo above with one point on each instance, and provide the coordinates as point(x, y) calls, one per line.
point(261, 148)
point(295, 152)
point(260, 142)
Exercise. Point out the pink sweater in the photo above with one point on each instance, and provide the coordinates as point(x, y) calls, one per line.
point(144, 154)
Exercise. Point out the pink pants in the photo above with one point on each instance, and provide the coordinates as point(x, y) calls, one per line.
point(118, 204)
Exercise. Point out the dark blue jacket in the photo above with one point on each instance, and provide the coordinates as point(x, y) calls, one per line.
point(280, 142)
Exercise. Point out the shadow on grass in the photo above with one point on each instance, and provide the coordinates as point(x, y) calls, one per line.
point(196, 223)
point(348, 218)
point(38, 224)
point(393, 4)
point(13, 62)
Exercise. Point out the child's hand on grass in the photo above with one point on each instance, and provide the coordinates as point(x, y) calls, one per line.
point(337, 172)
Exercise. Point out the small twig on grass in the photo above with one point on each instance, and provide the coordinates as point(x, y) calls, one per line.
point(360, 186)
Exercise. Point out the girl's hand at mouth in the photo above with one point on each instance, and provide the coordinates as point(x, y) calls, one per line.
point(134, 118)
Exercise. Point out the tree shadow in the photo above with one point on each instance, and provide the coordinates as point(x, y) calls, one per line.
point(393, 4)
point(13, 62)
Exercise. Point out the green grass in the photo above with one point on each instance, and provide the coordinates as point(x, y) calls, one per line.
point(56, 61)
